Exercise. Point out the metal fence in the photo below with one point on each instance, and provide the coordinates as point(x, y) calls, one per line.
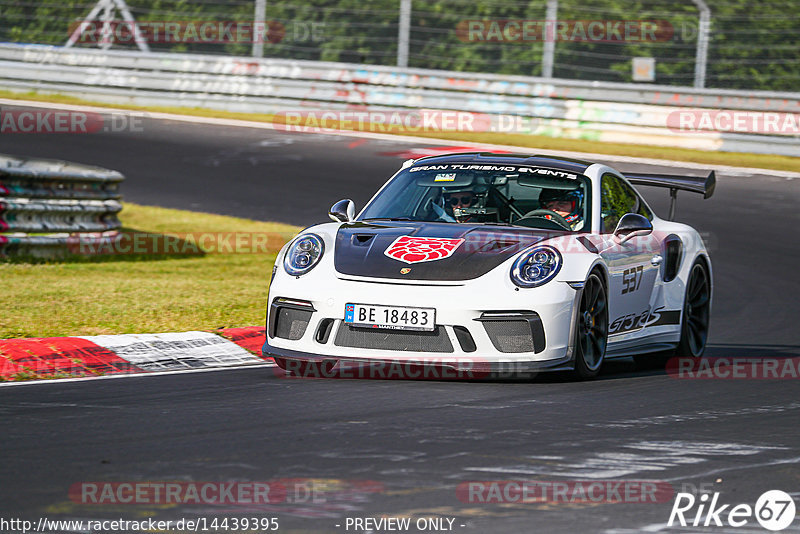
point(749, 46)
point(621, 113)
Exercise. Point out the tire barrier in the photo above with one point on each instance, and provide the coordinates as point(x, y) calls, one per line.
point(47, 205)
point(611, 112)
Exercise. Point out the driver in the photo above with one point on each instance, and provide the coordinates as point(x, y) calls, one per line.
point(457, 200)
point(565, 202)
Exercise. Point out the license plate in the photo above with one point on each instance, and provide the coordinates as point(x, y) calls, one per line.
point(390, 317)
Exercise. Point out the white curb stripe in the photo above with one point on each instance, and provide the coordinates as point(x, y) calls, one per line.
point(176, 351)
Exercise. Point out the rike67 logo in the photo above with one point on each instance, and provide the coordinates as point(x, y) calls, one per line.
point(418, 249)
point(774, 510)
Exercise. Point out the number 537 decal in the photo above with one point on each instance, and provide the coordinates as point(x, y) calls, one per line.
point(632, 279)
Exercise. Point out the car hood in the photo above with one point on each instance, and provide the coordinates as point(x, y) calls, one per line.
point(361, 249)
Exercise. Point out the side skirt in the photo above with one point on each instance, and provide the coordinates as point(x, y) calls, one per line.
point(644, 348)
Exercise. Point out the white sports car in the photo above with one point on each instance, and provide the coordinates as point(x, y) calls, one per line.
point(504, 262)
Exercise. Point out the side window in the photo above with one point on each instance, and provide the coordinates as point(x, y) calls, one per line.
point(644, 211)
point(639, 207)
point(617, 200)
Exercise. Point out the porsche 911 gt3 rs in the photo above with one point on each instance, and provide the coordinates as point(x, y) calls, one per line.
point(519, 262)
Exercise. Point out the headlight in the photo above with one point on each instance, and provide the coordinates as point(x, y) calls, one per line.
point(536, 267)
point(303, 254)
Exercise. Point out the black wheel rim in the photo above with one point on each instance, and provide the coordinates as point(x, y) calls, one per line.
point(593, 323)
point(696, 310)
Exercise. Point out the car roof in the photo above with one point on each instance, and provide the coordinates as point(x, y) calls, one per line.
point(491, 158)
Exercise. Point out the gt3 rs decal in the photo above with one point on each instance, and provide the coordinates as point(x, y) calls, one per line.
point(634, 321)
point(418, 249)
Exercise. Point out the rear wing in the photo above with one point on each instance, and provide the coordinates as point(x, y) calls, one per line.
point(695, 184)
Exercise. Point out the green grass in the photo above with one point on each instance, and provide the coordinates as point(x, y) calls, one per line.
point(138, 294)
point(761, 161)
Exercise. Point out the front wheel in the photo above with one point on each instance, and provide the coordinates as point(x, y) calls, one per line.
point(592, 328)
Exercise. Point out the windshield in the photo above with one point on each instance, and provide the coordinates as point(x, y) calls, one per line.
point(501, 194)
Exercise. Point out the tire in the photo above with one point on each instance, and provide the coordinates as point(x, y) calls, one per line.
point(591, 333)
point(694, 333)
point(696, 313)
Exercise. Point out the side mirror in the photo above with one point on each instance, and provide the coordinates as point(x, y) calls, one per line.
point(632, 225)
point(343, 211)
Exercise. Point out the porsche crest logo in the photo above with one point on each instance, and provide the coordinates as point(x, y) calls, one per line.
point(405, 270)
point(419, 249)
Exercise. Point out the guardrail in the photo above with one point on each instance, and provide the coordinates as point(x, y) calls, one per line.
point(47, 205)
point(614, 112)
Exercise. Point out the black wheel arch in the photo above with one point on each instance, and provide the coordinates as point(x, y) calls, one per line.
point(601, 269)
point(704, 260)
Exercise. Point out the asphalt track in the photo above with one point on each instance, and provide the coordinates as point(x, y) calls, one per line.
point(417, 441)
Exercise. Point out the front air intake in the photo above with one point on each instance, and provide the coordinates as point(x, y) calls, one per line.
point(292, 324)
point(514, 331)
point(401, 340)
point(288, 318)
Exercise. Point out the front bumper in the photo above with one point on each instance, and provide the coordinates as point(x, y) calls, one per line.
point(320, 298)
point(463, 367)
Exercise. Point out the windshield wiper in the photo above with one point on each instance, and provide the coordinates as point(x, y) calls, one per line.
point(387, 219)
